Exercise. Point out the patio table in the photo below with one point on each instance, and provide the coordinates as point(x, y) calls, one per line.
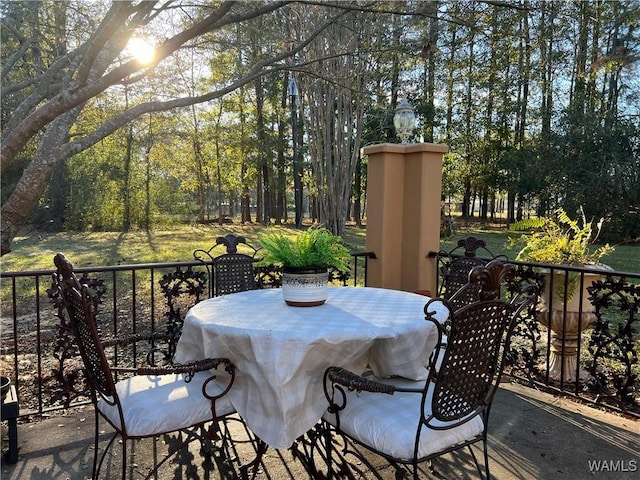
point(281, 352)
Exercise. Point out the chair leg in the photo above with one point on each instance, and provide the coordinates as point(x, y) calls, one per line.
point(124, 458)
point(486, 459)
point(329, 447)
point(104, 454)
point(96, 433)
point(261, 449)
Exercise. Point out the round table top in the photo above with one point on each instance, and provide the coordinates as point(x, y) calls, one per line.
point(348, 312)
point(281, 352)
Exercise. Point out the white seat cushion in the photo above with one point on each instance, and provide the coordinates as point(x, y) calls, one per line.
point(155, 404)
point(388, 423)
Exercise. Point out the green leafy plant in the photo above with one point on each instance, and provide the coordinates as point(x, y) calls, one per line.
point(560, 241)
point(314, 247)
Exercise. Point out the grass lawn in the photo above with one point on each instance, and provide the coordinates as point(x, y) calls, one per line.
point(36, 251)
point(170, 244)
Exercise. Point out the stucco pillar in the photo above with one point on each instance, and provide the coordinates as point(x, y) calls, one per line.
point(404, 185)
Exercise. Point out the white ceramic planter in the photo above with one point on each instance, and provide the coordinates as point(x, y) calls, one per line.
point(304, 287)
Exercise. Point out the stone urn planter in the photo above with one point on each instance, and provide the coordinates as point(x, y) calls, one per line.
point(561, 240)
point(305, 286)
point(566, 329)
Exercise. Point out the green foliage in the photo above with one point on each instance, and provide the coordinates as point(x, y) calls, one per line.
point(315, 247)
point(560, 240)
point(606, 181)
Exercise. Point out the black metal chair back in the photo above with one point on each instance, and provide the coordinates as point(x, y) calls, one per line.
point(477, 337)
point(226, 270)
point(81, 309)
point(454, 267)
point(231, 271)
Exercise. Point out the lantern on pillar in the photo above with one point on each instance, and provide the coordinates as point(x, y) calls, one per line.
point(297, 169)
point(404, 121)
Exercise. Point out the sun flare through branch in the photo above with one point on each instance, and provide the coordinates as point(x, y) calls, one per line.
point(141, 50)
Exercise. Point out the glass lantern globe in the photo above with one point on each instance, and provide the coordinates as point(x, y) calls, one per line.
point(404, 121)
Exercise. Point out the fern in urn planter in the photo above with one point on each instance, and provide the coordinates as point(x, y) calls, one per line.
point(561, 241)
point(564, 241)
point(305, 259)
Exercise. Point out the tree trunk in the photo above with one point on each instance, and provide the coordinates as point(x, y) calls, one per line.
point(336, 116)
point(281, 192)
point(358, 193)
point(546, 55)
point(429, 54)
point(35, 178)
point(245, 200)
point(579, 82)
point(264, 187)
point(62, 82)
point(525, 69)
point(126, 181)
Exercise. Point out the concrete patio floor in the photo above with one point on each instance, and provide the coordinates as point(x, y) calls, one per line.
point(533, 436)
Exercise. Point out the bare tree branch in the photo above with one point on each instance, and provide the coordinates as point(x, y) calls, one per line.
point(79, 93)
point(61, 93)
point(259, 69)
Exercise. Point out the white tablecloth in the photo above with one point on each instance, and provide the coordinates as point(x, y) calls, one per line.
point(281, 352)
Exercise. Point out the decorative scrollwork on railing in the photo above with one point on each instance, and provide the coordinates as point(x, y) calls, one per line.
point(339, 276)
point(268, 276)
point(182, 289)
point(69, 374)
point(611, 348)
point(614, 344)
point(524, 354)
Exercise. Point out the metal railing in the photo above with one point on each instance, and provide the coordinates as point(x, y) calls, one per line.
point(583, 337)
point(38, 354)
point(591, 354)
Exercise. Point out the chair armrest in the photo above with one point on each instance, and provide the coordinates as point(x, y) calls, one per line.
point(134, 338)
point(353, 381)
point(190, 368)
point(336, 379)
point(155, 355)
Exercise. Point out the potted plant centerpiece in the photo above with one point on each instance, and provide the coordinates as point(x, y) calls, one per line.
point(563, 241)
point(305, 259)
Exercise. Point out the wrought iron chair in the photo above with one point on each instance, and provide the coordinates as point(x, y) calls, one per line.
point(409, 422)
point(454, 267)
point(151, 400)
point(226, 270)
point(232, 270)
